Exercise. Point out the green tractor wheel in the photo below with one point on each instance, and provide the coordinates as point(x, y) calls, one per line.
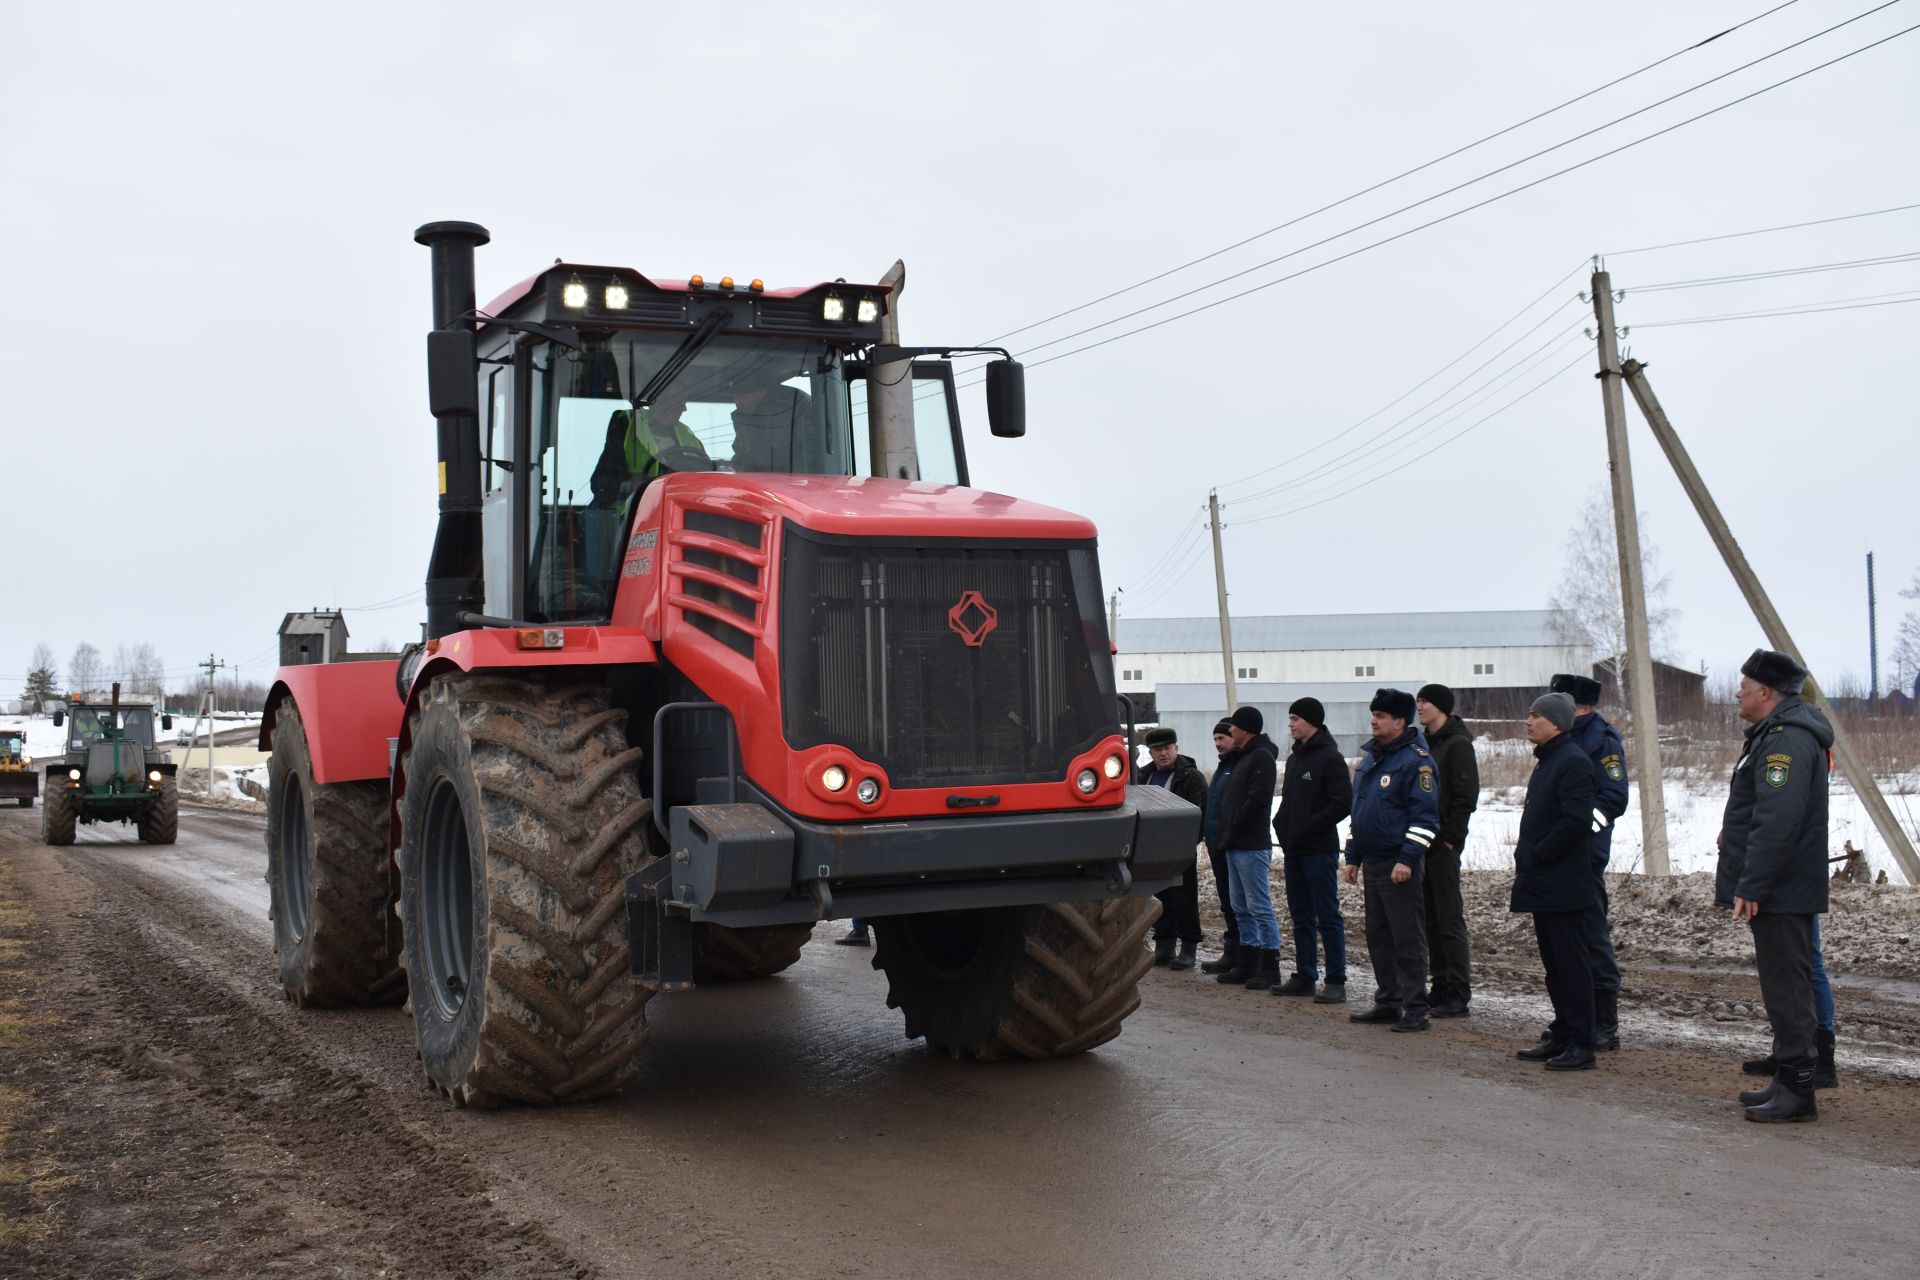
point(57, 815)
point(159, 823)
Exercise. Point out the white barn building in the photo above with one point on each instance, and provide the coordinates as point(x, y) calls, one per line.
point(1495, 661)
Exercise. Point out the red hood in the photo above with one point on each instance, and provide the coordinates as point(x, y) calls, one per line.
point(871, 507)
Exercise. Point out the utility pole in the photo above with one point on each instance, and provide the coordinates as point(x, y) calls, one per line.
point(1873, 641)
point(890, 437)
point(1220, 585)
point(210, 666)
point(1844, 754)
point(1633, 591)
point(1113, 618)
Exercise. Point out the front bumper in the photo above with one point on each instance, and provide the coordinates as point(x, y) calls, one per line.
point(751, 863)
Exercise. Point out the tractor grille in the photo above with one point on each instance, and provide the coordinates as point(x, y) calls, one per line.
point(875, 655)
point(111, 761)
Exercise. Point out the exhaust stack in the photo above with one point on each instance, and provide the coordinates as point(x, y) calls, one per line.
point(456, 576)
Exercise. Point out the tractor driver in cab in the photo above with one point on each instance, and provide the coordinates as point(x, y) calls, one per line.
point(767, 417)
point(643, 444)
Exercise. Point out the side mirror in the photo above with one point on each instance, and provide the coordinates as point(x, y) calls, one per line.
point(166, 722)
point(1007, 399)
point(59, 718)
point(452, 390)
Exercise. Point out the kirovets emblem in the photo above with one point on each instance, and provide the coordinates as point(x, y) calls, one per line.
point(973, 619)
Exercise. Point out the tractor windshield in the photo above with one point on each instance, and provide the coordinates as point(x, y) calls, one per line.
point(89, 724)
point(739, 404)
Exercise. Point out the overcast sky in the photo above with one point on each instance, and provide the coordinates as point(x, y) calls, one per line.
point(214, 397)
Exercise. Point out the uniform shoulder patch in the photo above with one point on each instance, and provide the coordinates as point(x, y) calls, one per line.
point(1419, 750)
point(1778, 768)
point(1615, 770)
point(1426, 777)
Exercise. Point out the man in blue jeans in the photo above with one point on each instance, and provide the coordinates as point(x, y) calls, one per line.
point(1315, 795)
point(1249, 845)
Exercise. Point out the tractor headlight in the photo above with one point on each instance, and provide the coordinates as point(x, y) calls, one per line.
point(866, 311)
point(1114, 766)
point(1086, 782)
point(153, 776)
point(73, 775)
point(833, 778)
point(834, 309)
point(868, 791)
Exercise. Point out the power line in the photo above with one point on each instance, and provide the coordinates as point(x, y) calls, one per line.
point(1460, 186)
point(1761, 231)
point(1405, 173)
point(1166, 564)
point(1892, 259)
point(1525, 186)
point(1424, 453)
point(1491, 334)
point(1837, 304)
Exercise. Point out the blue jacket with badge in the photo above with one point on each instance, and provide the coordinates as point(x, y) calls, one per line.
point(1599, 742)
point(1396, 801)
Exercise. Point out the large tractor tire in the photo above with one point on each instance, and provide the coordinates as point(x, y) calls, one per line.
point(730, 955)
point(1017, 982)
point(159, 822)
point(57, 815)
point(327, 879)
point(520, 823)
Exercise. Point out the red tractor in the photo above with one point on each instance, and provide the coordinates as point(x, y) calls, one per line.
point(719, 644)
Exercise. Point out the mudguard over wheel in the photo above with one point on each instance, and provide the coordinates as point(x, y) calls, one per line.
point(727, 955)
point(520, 823)
point(159, 822)
point(1017, 982)
point(327, 879)
point(57, 815)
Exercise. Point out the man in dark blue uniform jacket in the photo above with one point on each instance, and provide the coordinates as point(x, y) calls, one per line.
point(1599, 742)
point(1396, 814)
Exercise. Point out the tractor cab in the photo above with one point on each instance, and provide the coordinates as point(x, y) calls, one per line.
point(89, 723)
point(13, 749)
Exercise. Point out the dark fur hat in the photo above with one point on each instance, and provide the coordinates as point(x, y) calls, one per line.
point(1584, 690)
point(1775, 670)
point(1160, 736)
point(1397, 703)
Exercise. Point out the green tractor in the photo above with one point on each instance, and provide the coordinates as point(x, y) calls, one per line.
point(111, 772)
point(18, 782)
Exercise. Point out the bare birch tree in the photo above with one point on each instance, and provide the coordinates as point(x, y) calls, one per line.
point(1586, 599)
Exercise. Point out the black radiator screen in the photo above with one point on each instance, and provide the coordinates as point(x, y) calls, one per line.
point(949, 663)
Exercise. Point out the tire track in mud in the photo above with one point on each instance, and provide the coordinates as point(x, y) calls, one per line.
point(212, 1139)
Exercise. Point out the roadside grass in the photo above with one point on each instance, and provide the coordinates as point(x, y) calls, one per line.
point(27, 1178)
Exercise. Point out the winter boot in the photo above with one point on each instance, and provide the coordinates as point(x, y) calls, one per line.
point(1760, 1066)
point(1332, 992)
point(1183, 960)
point(1545, 1050)
point(1573, 1059)
point(1761, 1097)
point(1606, 1021)
point(1792, 1099)
point(1163, 950)
point(1824, 1076)
point(1266, 975)
point(1245, 964)
point(1298, 985)
point(1229, 957)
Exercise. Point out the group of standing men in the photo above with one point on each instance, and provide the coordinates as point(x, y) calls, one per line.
point(1410, 802)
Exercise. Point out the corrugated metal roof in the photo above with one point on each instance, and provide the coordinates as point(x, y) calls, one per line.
point(311, 624)
point(1200, 697)
point(1499, 628)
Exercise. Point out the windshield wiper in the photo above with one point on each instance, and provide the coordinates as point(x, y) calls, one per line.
point(692, 345)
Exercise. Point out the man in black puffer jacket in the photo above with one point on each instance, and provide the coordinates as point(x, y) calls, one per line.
point(1553, 879)
point(1773, 866)
point(1316, 794)
point(1249, 843)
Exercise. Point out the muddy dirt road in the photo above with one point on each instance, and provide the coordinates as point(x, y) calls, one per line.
point(164, 1113)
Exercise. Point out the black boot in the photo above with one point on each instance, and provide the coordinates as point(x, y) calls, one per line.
point(1298, 985)
point(1229, 957)
point(1792, 1099)
point(1266, 974)
point(1183, 960)
point(1760, 1097)
point(1545, 1050)
point(1824, 1076)
point(1606, 1021)
point(1244, 965)
point(1163, 950)
point(1760, 1066)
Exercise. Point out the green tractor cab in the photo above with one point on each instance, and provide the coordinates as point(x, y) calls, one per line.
point(111, 772)
point(18, 781)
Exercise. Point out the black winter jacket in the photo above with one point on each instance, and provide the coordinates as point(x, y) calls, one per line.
point(1249, 798)
point(1452, 748)
point(1773, 838)
point(1187, 781)
point(1552, 870)
point(1315, 795)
